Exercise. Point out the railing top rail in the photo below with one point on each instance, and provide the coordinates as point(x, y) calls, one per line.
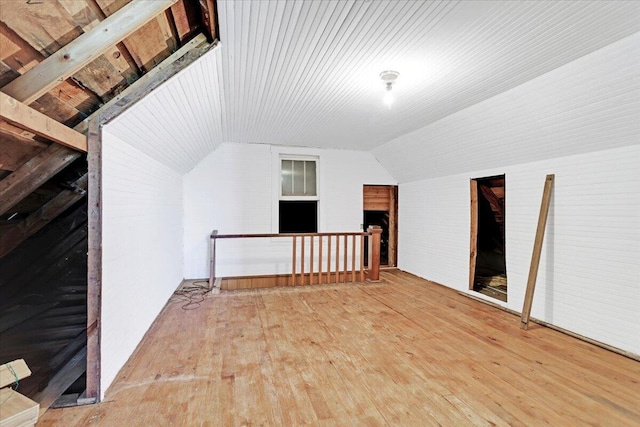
point(215, 235)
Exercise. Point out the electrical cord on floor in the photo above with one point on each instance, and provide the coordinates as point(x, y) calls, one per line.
point(192, 294)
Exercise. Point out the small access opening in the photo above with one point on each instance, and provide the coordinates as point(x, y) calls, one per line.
point(381, 219)
point(488, 269)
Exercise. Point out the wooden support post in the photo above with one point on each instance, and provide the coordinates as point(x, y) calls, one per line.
point(537, 251)
point(375, 233)
point(94, 260)
point(212, 267)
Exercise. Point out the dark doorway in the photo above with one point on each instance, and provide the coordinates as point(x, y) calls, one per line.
point(380, 204)
point(488, 270)
point(381, 219)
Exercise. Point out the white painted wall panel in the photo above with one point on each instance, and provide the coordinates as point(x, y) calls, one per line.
point(142, 249)
point(180, 122)
point(590, 104)
point(588, 278)
point(235, 190)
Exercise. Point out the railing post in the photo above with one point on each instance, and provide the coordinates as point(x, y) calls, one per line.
point(212, 268)
point(375, 233)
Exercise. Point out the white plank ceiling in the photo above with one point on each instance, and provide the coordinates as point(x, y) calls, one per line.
point(306, 73)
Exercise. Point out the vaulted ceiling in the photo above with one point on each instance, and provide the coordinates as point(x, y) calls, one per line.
point(307, 73)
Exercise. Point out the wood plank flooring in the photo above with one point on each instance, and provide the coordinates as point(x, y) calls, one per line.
point(400, 352)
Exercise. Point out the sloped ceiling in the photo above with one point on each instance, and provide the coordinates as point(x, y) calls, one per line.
point(307, 73)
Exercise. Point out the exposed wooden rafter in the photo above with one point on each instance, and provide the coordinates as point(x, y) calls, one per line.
point(208, 10)
point(24, 180)
point(177, 61)
point(83, 50)
point(17, 146)
point(62, 380)
point(34, 222)
point(497, 205)
point(27, 118)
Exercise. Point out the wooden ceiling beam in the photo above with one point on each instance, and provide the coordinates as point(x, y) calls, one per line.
point(162, 72)
point(28, 177)
point(16, 146)
point(84, 49)
point(496, 204)
point(25, 117)
point(34, 222)
point(209, 18)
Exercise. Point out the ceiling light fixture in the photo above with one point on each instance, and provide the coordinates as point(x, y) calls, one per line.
point(389, 78)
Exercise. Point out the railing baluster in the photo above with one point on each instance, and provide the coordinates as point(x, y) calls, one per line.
point(302, 260)
point(353, 258)
point(346, 262)
point(337, 258)
point(328, 259)
point(320, 260)
point(362, 236)
point(311, 261)
point(293, 263)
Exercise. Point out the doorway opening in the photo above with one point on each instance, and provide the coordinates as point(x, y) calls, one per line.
point(380, 204)
point(488, 269)
point(381, 219)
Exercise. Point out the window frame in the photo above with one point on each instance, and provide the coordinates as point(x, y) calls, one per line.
point(314, 159)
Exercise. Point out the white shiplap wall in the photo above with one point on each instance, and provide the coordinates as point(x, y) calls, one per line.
point(235, 190)
point(588, 278)
point(588, 281)
point(142, 249)
point(590, 104)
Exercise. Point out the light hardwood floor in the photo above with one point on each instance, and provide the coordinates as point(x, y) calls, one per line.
point(403, 352)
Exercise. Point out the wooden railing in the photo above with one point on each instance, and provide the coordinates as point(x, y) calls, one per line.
point(337, 248)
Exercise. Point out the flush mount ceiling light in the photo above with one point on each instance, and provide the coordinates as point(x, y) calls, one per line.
point(388, 78)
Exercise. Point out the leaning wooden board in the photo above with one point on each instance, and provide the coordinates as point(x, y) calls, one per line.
point(16, 410)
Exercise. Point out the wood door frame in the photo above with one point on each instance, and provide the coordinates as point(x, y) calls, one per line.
point(473, 246)
point(393, 226)
point(392, 209)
